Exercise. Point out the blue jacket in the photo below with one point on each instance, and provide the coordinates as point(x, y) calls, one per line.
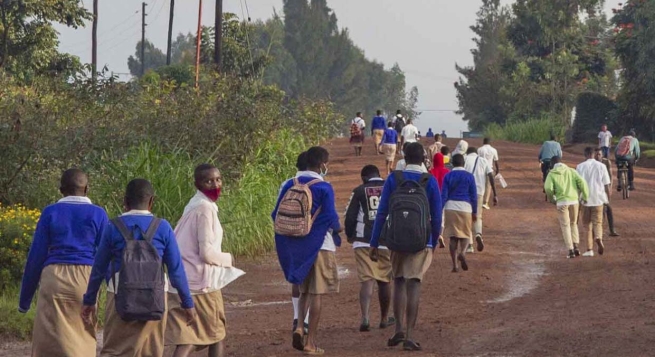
point(459, 185)
point(390, 136)
point(434, 198)
point(67, 233)
point(110, 255)
point(297, 255)
point(379, 123)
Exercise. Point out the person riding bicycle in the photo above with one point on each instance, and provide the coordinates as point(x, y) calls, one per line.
point(627, 153)
point(549, 149)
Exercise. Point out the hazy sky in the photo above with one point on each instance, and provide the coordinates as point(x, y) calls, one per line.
point(426, 37)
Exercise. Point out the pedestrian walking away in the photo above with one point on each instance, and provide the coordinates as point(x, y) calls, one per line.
point(436, 146)
point(605, 140)
point(378, 126)
point(627, 154)
point(360, 215)
point(595, 175)
point(357, 127)
point(482, 172)
point(564, 187)
point(388, 146)
point(549, 149)
point(598, 154)
point(490, 154)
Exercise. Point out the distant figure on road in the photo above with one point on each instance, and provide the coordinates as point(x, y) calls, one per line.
point(429, 134)
point(398, 124)
point(565, 188)
point(482, 172)
point(627, 153)
point(461, 148)
point(598, 155)
point(443, 134)
point(605, 140)
point(436, 146)
point(357, 127)
point(490, 154)
point(378, 125)
point(389, 146)
point(598, 181)
point(409, 133)
point(549, 149)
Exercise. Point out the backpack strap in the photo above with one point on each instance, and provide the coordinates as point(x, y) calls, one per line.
point(122, 228)
point(400, 178)
point(475, 166)
point(425, 178)
point(152, 229)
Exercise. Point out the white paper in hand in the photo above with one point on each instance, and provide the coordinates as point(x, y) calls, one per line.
point(500, 178)
point(221, 276)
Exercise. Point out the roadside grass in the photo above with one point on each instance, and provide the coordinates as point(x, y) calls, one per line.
point(534, 131)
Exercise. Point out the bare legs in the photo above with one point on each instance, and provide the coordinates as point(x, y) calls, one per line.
point(463, 244)
point(365, 295)
point(313, 302)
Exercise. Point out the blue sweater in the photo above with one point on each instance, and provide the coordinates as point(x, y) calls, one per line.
point(459, 185)
point(550, 149)
point(379, 123)
point(110, 255)
point(390, 136)
point(67, 233)
point(434, 198)
point(297, 255)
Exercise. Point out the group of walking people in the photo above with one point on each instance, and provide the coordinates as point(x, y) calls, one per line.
point(76, 247)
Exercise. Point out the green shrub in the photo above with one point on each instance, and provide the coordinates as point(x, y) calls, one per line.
point(530, 132)
point(17, 225)
point(592, 111)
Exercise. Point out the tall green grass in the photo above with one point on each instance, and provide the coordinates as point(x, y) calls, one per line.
point(529, 132)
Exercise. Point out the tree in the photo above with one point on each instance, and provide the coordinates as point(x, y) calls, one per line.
point(154, 58)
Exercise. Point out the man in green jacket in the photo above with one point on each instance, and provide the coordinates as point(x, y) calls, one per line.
point(566, 188)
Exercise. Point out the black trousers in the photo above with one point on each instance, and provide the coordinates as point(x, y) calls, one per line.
point(610, 217)
point(545, 168)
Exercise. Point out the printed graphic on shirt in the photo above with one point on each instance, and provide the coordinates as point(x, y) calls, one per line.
point(373, 201)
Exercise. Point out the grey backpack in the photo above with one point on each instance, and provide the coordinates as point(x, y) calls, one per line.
point(140, 292)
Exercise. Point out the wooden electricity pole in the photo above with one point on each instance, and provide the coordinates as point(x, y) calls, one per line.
point(143, 39)
point(198, 39)
point(218, 32)
point(170, 34)
point(94, 45)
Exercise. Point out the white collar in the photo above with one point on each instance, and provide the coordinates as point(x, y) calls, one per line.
point(311, 174)
point(137, 212)
point(414, 168)
point(198, 199)
point(473, 155)
point(75, 199)
point(459, 169)
point(375, 179)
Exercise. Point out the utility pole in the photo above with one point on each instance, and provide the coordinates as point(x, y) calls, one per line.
point(169, 50)
point(94, 45)
point(198, 38)
point(143, 39)
point(218, 32)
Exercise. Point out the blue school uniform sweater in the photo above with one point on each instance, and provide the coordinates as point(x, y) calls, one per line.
point(434, 198)
point(379, 123)
point(297, 255)
point(459, 185)
point(66, 233)
point(390, 136)
point(110, 256)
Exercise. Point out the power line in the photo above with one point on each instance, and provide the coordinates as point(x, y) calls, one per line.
point(161, 7)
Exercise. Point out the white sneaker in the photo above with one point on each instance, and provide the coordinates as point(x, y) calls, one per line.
point(486, 207)
point(470, 249)
point(589, 253)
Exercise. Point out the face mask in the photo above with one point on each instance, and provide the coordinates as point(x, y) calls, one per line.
point(324, 173)
point(213, 194)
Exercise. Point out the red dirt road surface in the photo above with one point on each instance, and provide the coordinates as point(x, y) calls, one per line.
point(521, 297)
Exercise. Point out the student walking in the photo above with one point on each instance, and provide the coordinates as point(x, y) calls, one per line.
point(482, 173)
point(133, 249)
point(436, 146)
point(439, 170)
point(306, 237)
point(378, 126)
point(598, 182)
point(565, 187)
point(411, 235)
point(59, 265)
point(200, 235)
point(605, 140)
point(598, 154)
point(409, 133)
point(549, 149)
point(389, 145)
point(357, 127)
point(460, 197)
point(490, 154)
point(360, 215)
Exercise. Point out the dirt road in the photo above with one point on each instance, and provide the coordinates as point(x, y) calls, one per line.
point(521, 296)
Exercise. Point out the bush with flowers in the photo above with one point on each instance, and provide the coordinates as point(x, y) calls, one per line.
point(17, 225)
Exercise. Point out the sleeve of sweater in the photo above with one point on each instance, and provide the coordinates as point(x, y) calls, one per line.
point(329, 208)
point(444, 190)
point(209, 253)
point(33, 267)
point(473, 194)
point(173, 261)
point(383, 211)
point(100, 265)
point(436, 210)
point(352, 211)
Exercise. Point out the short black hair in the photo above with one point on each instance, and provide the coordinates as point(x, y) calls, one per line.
point(458, 160)
point(301, 162)
point(555, 160)
point(390, 124)
point(199, 172)
point(414, 154)
point(399, 111)
point(471, 150)
point(445, 150)
point(553, 137)
point(405, 145)
point(359, 114)
point(486, 141)
point(138, 192)
point(73, 180)
point(317, 156)
point(379, 112)
point(370, 171)
point(588, 151)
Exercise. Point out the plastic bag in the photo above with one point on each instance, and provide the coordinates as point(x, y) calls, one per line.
point(500, 178)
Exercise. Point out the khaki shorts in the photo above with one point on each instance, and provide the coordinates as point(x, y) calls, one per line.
point(323, 278)
point(411, 266)
point(369, 270)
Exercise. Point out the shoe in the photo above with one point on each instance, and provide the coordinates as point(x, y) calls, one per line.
point(614, 234)
point(571, 255)
point(365, 327)
point(486, 207)
point(480, 242)
point(295, 325)
point(631, 187)
point(601, 246)
point(470, 249)
point(576, 251)
point(589, 253)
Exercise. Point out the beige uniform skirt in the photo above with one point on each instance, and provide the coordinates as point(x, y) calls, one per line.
point(131, 339)
point(369, 270)
point(389, 151)
point(208, 329)
point(59, 330)
point(457, 224)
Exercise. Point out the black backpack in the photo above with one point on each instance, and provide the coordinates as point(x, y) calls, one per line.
point(400, 124)
point(140, 294)
point(408, 227)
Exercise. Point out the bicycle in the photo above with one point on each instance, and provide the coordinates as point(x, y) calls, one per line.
point(623, 178)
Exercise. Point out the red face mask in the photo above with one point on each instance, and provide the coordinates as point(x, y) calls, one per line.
point(213, 194)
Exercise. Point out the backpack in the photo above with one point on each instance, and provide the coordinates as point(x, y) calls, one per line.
point(294, 218)
point(355, 130)
point(623, 149)
point(140, 294)
point(400, 124)
point(408, 228)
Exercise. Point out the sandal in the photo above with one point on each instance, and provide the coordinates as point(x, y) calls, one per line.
point(390, 322)
point(315, 352)
point(396, 340)
point(412, 346)
point(462, 261)
point(298, 342)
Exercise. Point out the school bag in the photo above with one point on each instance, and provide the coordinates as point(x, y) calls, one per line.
point(355, 130)
point(408, 228)
point(400, 124)
point(294, 215)
point(623, 149)
point(140, 294)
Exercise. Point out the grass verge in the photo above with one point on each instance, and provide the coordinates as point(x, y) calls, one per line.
point(529, 132)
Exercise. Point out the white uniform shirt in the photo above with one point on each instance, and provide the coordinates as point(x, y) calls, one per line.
point(409, 133)
point(605, 138)
point(482, 169)
point(596, 176)
point(488, 153)
point(360, 123)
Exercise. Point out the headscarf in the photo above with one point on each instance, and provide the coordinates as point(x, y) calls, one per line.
point(461, 148)
point(439, 169)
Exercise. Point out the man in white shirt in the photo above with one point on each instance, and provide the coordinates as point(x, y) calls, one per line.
point(409, 133)
point(482, 172)
point(490, 154)
point(598, 180)
point(605, 140)
point(357, 127)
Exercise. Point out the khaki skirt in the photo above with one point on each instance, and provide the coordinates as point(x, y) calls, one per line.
point(389, 151)
point(369, 270)
point(133, 338)
point(457, 224)
point(58, 326)
point(208, 329)
point(411, 266)
point(377, 136)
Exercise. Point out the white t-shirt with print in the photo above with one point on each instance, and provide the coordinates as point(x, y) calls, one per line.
point(605, 138)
